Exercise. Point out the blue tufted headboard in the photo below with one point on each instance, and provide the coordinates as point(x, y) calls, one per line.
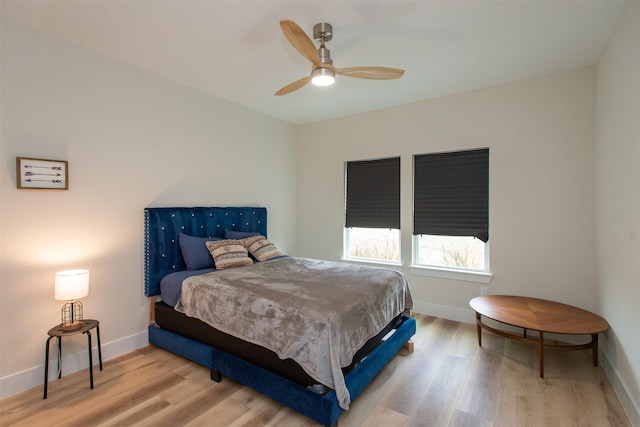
point(162, 225)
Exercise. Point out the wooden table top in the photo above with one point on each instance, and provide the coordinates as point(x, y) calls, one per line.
point(539, 314)
point(87, 324)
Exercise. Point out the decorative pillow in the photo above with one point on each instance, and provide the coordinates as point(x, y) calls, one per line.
point(260, 248)
point(228, 254)
point(195, 254)
point(238, 235)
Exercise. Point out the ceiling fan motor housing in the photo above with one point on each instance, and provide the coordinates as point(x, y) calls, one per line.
point(325, 57)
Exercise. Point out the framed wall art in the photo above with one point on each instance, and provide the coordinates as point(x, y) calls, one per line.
point(42, 173)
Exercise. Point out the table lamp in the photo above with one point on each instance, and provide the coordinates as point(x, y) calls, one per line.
point(71, 285)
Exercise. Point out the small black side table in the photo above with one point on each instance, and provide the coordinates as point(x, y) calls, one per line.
point(58, 333)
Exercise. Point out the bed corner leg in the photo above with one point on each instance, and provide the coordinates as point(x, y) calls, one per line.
point(409, 346)
point(152, 311)
point(216, 375)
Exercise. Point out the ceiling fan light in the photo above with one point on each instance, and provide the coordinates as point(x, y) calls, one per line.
point(323, 76)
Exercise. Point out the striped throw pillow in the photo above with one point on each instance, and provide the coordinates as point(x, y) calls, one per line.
point(228, 254)
point(260, 248)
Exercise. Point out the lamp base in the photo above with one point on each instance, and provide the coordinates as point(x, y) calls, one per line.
point(72, 316)
point(73, 326)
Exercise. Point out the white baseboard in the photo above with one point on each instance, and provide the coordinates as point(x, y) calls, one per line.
point(631, 408)
point(445, 312)
point(21, 381)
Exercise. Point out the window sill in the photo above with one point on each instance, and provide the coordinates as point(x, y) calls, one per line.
point(388, 264)
point(444, 273)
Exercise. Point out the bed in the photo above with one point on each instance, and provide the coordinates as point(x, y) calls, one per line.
point(287, 380)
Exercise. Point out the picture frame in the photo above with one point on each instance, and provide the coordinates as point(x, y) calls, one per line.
point(42, 174)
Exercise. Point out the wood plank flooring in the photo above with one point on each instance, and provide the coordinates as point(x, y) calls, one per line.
point(447, 381)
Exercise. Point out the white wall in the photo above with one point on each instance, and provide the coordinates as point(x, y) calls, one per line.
point(618, 206)
point(540, 135)
point(132, 140)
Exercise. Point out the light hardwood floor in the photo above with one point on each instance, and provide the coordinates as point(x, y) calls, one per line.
point(447, 381)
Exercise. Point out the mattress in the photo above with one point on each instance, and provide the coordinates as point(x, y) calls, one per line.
point(171, 320)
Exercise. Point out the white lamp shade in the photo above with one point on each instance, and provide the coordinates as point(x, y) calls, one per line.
point(72, 285)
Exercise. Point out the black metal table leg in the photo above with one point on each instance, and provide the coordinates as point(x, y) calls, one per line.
point(46, 367)
point(99, 347)
point(59, 357)
point(90, 359)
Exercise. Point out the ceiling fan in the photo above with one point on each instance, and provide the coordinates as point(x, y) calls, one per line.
point(323, 72)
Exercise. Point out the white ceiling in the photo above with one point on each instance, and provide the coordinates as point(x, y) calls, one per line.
point(236, 51)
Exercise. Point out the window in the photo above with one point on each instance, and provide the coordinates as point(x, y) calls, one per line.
point(372, 210)
point(451, 210)
point(374, 244)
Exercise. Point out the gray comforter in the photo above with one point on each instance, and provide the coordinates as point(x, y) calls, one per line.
point(317, 313)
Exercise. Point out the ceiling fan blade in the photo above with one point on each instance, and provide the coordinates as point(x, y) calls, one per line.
point(291, 87)
point(300, 41)
point(373, 73)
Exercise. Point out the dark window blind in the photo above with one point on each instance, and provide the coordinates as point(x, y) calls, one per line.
point(451, 194)
point(373, 193)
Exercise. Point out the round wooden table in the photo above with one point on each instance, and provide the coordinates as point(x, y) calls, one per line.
point(542, 316)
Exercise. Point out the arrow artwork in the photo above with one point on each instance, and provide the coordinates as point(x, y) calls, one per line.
point(42, 174)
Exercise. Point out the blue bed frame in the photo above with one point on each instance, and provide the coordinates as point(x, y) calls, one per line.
point(162, 256)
